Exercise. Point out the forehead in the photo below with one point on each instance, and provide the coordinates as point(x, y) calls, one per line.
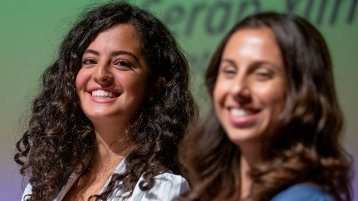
point(255, 38)
point(119, 38)
point(253, 44)
point(123, 35)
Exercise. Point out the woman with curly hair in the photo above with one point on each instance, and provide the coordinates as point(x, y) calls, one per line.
point(273, 131)
point(112, 109)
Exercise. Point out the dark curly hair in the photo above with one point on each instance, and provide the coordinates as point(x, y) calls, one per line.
point(59, 134)
point(304, 147)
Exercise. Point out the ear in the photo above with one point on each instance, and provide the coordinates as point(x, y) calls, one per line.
point(154, 89)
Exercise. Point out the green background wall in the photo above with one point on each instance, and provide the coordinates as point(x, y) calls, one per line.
point(31, 31)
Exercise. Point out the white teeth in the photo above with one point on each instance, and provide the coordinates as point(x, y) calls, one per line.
point(239, 112)
point(102, 94)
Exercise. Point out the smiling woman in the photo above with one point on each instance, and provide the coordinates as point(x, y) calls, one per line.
point(250, 87)
point(274, 128)
point(112, 82)
point(112, 110)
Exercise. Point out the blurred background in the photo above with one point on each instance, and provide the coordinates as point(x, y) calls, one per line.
point(31, 31)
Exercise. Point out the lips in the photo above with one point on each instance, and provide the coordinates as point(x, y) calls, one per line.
point(102, 95)
point(243, 116)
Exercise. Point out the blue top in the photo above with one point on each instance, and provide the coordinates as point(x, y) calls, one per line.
point(303, 192)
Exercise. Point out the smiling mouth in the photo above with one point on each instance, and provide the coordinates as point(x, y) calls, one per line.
point(102, 94)
point(239, 112)
point(243, 117)
point(236, 112)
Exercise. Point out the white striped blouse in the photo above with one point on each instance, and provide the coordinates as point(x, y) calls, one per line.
point(167, 186)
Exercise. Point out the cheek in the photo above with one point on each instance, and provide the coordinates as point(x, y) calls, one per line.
point(220, 91)
point(78, 83)
point(217, 98)
point(81, 79)
point(134, 85)
point(272, 96)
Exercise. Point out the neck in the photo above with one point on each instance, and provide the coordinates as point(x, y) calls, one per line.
point(245, 179)
point(250, 155)
point(113, 144)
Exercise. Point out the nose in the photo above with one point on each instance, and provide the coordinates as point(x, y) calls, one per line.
point(103, 75)
point(240, 90)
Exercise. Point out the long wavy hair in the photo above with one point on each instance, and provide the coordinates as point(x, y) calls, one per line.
point(303, 147)
point(60, 136)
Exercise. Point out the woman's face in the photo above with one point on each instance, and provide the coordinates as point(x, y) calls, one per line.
point(250, 86)
point(112, 82)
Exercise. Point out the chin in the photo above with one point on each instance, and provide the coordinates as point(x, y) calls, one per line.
point(241, 137)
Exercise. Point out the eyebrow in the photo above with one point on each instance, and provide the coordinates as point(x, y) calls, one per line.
point(257, 63)
point(228, 61)
point(115, 53)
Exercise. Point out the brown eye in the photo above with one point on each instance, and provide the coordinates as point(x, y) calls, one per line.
point(123, 64)
point(228, 71)
point(264, 74)
point(88, 62)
